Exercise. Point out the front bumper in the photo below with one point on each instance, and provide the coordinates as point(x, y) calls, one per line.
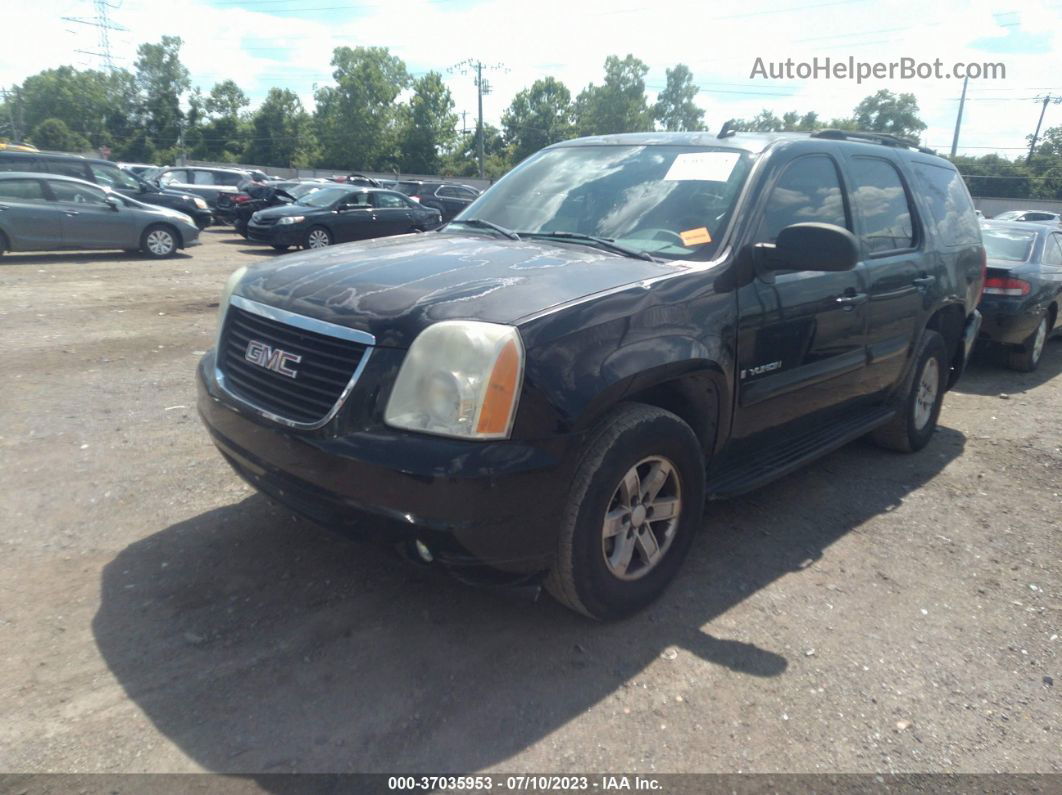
point(277, 234)
point(471, 503)
point(202, 218)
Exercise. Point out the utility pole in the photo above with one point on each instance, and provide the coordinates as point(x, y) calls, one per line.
point(958, 118)
point(1046, 100)
point(464, 125)
point(469, 66)
point(102, 22)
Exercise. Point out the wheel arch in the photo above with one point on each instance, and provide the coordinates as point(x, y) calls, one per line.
point(949, 321)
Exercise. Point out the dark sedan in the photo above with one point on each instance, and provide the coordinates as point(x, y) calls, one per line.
point(338, 214)
point(1023, 289)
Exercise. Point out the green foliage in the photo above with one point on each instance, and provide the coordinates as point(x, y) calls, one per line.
point(161, 80)
point(619, 104)
point(896, 114)
point(282, 132)
point(674, 108)
point(539, 116)
point(53, 134)
point(428, 126)
point(358, 120)
point(462, 160)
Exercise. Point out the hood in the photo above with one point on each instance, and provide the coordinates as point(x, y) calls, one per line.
point(394, 287)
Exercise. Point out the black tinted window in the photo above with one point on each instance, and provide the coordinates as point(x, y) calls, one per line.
point(21, 190)
point(808, 190)
point(78, 194)
point(65, 168)
point(13, 162)
point(951, 211)
point(465, 193)
point(226, 178)
point(390, 200)
point(882, 203)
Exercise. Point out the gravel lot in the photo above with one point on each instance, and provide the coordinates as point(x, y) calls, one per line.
point(873, 612)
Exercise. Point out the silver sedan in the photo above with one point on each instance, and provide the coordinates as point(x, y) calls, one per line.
point(47, 212)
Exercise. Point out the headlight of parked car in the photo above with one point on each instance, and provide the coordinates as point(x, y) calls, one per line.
point(223, 304)
point(460, 378)
point(291, 219)
point(200, 203)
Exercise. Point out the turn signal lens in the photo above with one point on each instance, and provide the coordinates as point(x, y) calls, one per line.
point(500, 398)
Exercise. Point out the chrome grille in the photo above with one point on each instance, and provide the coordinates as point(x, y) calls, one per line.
point(327, 367)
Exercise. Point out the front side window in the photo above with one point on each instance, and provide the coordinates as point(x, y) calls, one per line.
point(1008, 244)
point(809, 190)
point(882, 203)
point(113, 177)
point(671, 201)
point(22, 190)
point(77, 194)
point(177, 176)
point(357, 200)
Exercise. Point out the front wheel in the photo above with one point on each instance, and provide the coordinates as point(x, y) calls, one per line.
point(159, 241)
point(635, 504)
point(318, 237)
point(1028, 358)
point(920, 399)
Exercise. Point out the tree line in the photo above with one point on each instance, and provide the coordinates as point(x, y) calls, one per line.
point(377, 116)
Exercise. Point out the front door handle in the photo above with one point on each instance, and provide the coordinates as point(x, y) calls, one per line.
point(850, 301)
point(3, 207)
point(923, 281)
point(72, 213)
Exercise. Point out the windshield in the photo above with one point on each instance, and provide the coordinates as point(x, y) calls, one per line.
point(324, 197)
point(669, 201)
point(1014, 246)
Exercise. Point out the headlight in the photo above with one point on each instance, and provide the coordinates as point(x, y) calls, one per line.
point(460, 378)
point(202, 205)
point(223, 304)
point(291, 219)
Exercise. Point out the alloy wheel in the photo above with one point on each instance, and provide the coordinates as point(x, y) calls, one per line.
point(642, 518)
point(926, 397)
point(318, 238)
point(160, 242)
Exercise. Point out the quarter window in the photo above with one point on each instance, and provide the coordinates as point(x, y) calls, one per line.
point(883, 205)
point(950, 208)
point(22, 190)
point(808, 190)
point(1053, 250)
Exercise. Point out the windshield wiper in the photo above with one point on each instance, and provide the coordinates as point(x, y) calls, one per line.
point(599, 242)
point(501, 230)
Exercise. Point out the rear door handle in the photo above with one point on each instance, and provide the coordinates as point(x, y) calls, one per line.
point(72, 212)
point(849, 302)
point(923, 281)
point(3, 207)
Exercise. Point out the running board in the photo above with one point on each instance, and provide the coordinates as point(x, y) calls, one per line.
point(744, 476)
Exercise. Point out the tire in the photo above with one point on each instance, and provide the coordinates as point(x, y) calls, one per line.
point(159, 241)
point(241, 229)
point(1027, 359)
point(921, 397)
point(280, 247)
point(4, 245)
point(317, 237)
point(588, 573)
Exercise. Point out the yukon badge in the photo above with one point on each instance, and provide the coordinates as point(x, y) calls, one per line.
point(760, 369)
point(272, 358)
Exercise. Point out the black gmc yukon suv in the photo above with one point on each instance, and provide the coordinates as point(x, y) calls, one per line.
point(620, 328)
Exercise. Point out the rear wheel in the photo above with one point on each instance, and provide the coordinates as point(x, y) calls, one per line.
point(159, 241)
point(318, 237)
point(635, 504)
point(921, 397)
point(1028, 358)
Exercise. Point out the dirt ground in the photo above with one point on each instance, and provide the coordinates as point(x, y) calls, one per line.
point(873, 612)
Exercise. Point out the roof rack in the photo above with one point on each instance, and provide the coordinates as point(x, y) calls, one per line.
point(876, 137)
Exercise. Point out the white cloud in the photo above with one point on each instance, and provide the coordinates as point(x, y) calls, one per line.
point(570, 41)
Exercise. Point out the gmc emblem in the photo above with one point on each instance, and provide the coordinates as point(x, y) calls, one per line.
point(272, 358)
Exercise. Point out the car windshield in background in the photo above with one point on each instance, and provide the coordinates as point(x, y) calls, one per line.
point(301, 189)
point(323, 197)
point(668, 201)
point(1007, 244)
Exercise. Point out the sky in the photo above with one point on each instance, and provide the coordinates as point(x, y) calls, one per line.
point(288, 43)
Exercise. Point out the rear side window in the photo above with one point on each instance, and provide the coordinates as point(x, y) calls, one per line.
point(465, 193)
point(808, 190)
point(408, 188)
point(390, 200)
point(13, 162)
point(1053, 250)
point(22, 190)
point(1039, 216)
point(225, 178)
point(882, 203)
point(950, 209)
point(64, 168)
point(179, 176)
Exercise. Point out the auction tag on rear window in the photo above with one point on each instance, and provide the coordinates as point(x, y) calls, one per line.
point(706, 166)
point(695, 237)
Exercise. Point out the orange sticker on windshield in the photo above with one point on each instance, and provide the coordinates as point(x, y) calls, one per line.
point(695, 237)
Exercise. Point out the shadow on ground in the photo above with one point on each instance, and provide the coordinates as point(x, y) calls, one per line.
point(80, 257)
point(988, 373)
point(259, 643)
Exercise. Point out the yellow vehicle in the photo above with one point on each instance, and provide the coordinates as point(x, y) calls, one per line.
point(18, 147)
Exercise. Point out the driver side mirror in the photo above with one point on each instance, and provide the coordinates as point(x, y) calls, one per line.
point(113, 203)
point(808, 247)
